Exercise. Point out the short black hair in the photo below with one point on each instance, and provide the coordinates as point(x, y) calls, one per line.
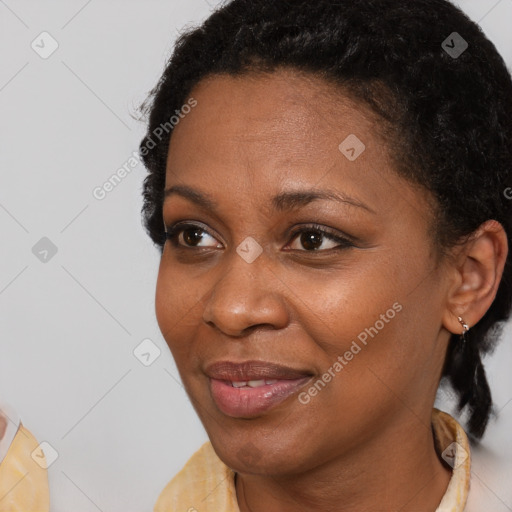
point(448, 108)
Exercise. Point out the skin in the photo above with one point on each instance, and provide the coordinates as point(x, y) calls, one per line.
point(348, 449)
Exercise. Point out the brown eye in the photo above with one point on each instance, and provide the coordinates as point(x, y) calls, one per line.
point(312, 238)
point(188, 235)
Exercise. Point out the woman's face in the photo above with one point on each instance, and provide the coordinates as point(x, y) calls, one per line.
point(255, 285)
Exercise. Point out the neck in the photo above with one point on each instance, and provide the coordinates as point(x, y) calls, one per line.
point(399, 470)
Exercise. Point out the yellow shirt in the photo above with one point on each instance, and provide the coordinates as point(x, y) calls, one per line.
point(23, 482)
point(206, 484)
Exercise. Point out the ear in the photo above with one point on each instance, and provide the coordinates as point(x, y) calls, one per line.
point(476, 272)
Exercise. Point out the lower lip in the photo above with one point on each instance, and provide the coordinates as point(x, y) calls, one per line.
point(248, 402)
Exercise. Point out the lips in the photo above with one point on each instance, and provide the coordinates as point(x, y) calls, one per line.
point(253, 370)
point(250, 388)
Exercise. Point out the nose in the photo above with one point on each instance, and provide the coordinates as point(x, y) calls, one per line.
point(246, 296)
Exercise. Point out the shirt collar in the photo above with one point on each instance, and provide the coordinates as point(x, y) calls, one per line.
point(452, 446)
point(13, 423)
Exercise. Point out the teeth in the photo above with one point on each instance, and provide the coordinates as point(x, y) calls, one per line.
point(253, 383)
point(256, 383)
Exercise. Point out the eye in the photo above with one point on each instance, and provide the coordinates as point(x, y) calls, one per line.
point(313, 237)
point(185, 235)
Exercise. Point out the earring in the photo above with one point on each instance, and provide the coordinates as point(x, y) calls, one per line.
point(465, 329)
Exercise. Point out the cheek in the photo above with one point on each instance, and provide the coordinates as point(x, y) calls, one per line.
point(165, 301)
point(355, 303)
point(364, 326)
point(368, 373)
point(376, 357)
point(177, 304)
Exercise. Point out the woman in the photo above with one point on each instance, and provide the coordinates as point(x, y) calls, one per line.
point(327, 183)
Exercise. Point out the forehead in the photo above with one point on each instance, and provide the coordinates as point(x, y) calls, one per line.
point(257, 134)
point(282, 108)
point(284, 120)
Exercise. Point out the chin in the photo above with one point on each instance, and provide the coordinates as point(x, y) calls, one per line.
point(253, 451)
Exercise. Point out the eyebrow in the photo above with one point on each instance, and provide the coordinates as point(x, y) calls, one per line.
point(284, 201)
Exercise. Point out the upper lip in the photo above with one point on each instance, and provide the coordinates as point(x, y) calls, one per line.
point(253, 370)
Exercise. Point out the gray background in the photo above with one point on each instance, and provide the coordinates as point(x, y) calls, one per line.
point(69, 326)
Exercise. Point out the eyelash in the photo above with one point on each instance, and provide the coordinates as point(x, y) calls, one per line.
point(172, 233)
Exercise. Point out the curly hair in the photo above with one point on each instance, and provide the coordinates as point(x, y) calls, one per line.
point(448, 118)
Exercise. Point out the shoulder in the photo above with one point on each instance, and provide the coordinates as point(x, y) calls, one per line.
point(23, 475)
point(204, 483)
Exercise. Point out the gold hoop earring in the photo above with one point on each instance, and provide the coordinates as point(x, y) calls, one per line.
point(465, 329)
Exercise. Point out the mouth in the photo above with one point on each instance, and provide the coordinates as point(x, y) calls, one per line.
point(250, 388)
